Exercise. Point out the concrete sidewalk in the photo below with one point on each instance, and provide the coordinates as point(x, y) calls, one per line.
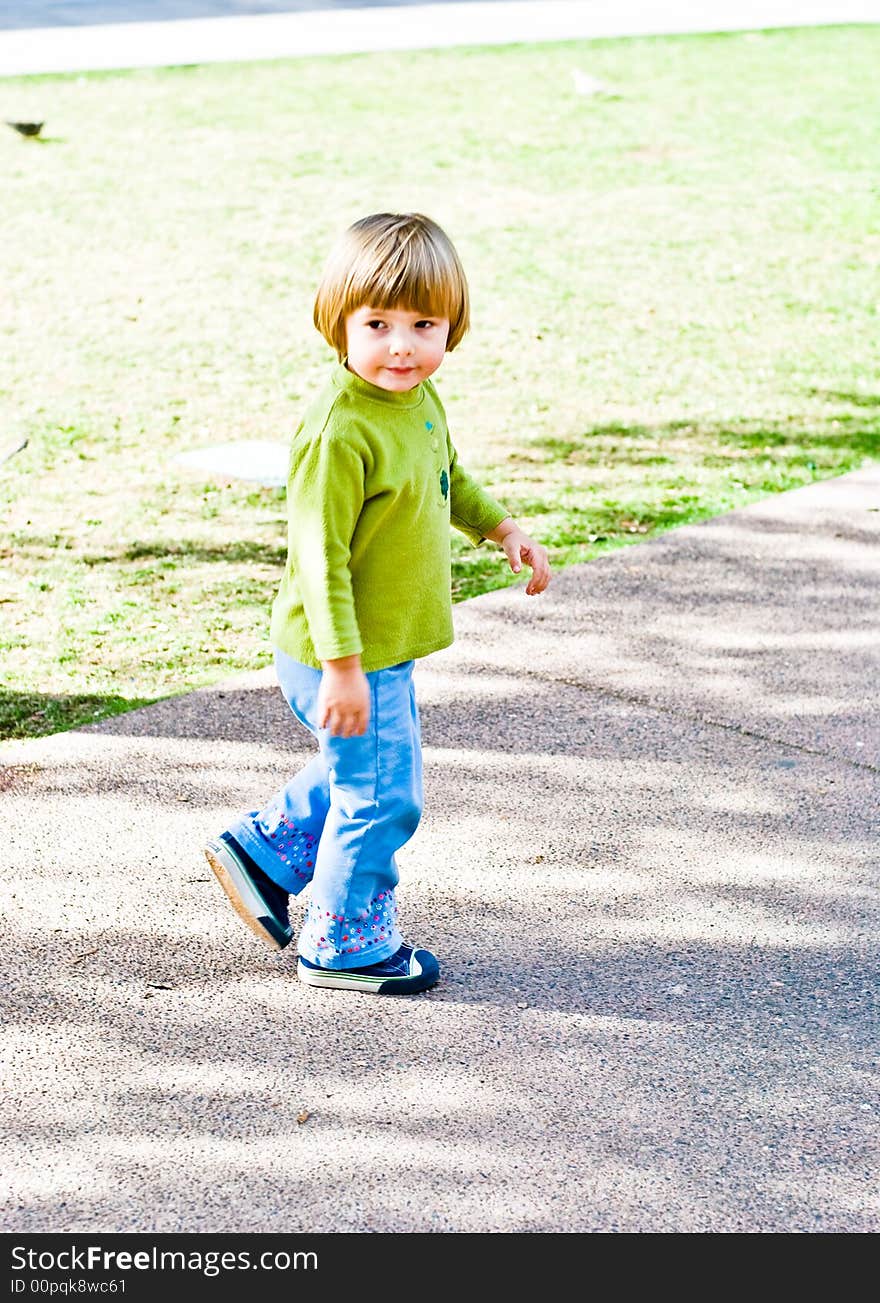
point(648, 863)
point(327, 29)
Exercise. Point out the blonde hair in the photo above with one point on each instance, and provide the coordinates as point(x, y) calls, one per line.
point(390, 260)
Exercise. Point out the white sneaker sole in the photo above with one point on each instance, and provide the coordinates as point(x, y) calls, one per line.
point(248, 905)
point(340, 979)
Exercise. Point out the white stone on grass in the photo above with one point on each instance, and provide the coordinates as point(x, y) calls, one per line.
point(255, 460)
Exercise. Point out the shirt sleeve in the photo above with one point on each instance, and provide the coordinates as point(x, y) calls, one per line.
point(472, 510)
point(325, 495)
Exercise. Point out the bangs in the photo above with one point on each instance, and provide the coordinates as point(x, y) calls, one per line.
point(410, 274)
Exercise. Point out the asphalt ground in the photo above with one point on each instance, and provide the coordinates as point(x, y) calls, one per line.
point(648, 864)
point(88, 13)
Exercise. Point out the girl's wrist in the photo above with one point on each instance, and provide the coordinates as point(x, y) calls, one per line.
point(344, 664)
point(502, 529)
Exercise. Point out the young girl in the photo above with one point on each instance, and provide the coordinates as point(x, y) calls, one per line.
point(374, 485)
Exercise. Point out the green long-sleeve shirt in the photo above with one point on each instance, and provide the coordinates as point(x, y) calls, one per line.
point(374, 484)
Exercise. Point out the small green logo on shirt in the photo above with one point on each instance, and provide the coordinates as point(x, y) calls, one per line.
point(444, 485)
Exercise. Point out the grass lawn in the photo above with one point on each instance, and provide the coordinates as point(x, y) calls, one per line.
point(675, 312)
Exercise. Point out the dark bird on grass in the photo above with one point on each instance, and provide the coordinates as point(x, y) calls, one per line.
point(26, 128)
point(10, 449)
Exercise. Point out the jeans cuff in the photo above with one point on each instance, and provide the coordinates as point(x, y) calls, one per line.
point(290, 876)
point(335, 940)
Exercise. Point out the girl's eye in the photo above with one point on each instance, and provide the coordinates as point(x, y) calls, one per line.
point(419, 324)
point(375, 325)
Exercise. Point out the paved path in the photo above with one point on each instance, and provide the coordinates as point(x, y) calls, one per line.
point(199, 31)
point(88, 13)
point(649, 864)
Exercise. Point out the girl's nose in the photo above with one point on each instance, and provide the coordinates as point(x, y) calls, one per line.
point(401, 344)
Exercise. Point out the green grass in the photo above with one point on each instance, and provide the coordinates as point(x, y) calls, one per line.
point(675, 312)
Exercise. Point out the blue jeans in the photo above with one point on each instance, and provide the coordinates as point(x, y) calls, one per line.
point(338, 823)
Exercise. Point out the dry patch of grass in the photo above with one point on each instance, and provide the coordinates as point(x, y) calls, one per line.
point(675, 311)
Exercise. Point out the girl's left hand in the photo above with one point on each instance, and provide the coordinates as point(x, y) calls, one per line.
point(520, 548)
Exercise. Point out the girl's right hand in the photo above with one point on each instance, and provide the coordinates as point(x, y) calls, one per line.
point(344, 698)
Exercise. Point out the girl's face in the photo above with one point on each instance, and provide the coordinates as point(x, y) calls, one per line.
point(394, 348)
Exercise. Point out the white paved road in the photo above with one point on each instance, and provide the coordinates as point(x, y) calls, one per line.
point(209, 31)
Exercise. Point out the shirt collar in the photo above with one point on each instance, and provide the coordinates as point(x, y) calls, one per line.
point(345, 379)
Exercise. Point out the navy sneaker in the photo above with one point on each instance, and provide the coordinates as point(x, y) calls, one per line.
point(259, 901)
point(402, 973)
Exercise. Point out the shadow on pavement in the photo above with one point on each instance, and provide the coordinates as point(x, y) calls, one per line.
point(648, 865)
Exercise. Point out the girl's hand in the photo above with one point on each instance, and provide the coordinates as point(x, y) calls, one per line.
point(344, 698)
point(520, 548)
